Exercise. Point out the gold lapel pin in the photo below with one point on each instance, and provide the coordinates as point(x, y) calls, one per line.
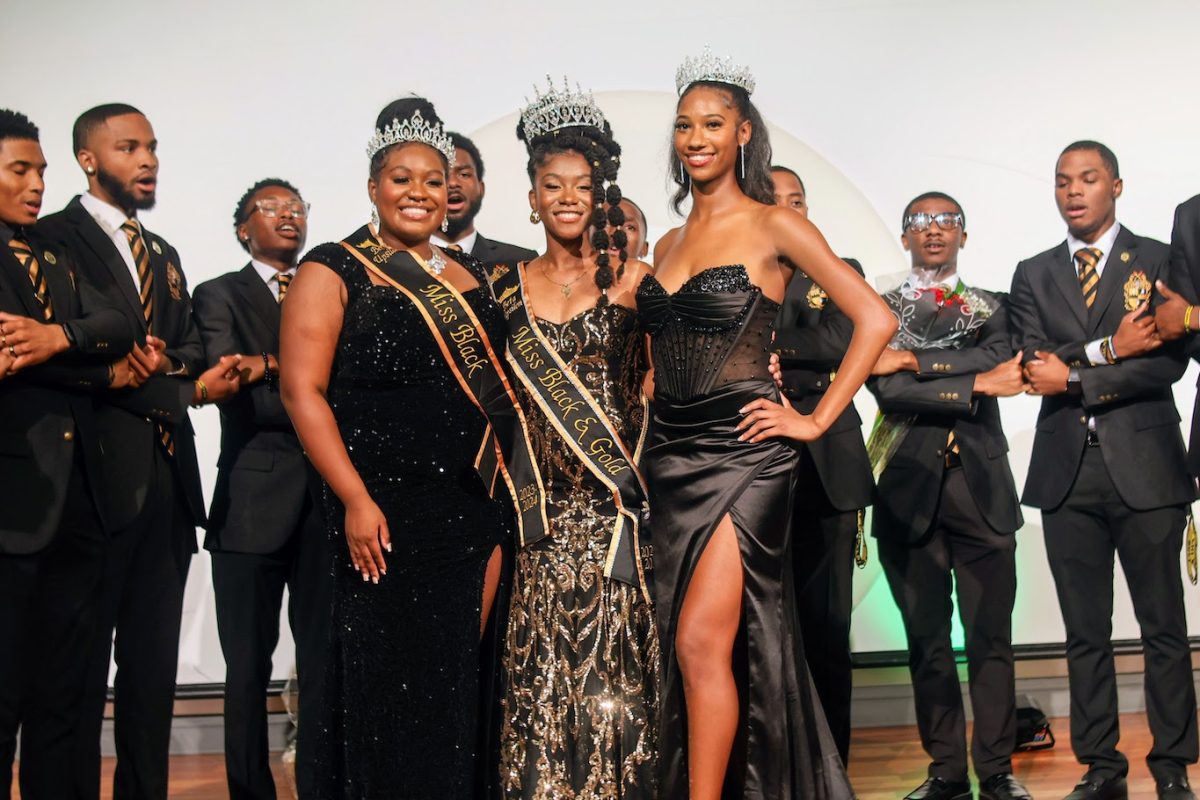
point(156, 248)
point(49, 258)
point(1125, 256)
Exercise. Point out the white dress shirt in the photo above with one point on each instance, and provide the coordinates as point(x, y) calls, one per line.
point(1105, 245)
point(467, 243)
point(270, 275)
point(110, 219)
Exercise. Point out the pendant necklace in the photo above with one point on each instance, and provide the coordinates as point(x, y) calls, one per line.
point(565, 288)
point(435, 261)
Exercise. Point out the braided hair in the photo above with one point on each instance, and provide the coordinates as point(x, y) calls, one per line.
point(603, 155)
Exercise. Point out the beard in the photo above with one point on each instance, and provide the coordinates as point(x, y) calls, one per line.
point(454, 227)
point(121, 193)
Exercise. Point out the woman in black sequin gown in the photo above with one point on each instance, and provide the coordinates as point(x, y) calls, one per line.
point(740, 718)
point(387, 425)
point(581, 660)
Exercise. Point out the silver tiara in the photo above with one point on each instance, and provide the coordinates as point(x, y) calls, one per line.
point(560, 109)
point(413, 129)
point(708, 67)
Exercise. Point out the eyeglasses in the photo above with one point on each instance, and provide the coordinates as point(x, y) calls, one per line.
point(273, 208)
point(921, 221)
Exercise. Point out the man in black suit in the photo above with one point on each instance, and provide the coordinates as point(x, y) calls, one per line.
point(464, 198)
point(946, 508)
point(1108, 469)
point(264, 529)
point(58, 339)
point(1172, 318)
point(833, 480)
point(150, 490)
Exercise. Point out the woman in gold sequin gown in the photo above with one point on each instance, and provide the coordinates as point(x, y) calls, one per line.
point(581, 660)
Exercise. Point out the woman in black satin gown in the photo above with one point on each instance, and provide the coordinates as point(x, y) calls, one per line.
point(385, 422)
point(739, 716)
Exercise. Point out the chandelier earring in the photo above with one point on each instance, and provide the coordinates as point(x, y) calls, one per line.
point(445, 224)
point(742, 159)
point(374, 217)
point(534, 217)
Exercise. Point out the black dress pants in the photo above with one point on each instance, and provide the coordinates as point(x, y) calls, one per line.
point(49, 614)
point(145, 572)
point(963, 554)
point(823, 565)
point(249, 594)
point(1082, 536)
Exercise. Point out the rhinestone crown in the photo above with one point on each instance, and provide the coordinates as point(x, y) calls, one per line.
point(709, 67)
point(413, 129)
point(560, 108)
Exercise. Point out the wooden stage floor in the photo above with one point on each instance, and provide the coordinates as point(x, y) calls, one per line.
point(884, 763)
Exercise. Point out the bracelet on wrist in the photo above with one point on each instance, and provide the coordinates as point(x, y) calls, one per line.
point(1187, 319)
point(1107, 351)
point(269, 375)
point(200, 387)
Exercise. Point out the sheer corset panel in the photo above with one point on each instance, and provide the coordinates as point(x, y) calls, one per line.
point(714, 331)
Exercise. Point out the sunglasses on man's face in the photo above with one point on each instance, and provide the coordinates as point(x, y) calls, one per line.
point(921, 221)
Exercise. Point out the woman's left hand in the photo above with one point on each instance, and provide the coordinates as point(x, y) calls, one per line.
point(765, 419)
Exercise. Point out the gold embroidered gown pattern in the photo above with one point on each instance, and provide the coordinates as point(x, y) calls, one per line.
point(581, 658)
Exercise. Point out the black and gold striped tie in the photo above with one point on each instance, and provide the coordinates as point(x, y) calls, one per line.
point(141, 260)
point(1086, 259)
point(952, 448)
point(454, 248)
point(285, 280)
point(41, 290)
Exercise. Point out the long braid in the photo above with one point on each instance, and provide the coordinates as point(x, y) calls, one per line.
point(603, 155)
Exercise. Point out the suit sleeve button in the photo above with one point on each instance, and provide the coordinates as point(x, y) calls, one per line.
point(69, 436)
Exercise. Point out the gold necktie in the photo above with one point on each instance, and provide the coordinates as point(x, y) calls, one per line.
point(41, 290)
point(454, 248)
point(285, 281)
point(141, 259)
point(1086, 259)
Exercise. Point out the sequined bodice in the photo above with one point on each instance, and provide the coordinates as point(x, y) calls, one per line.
point(396, 402)
point(712, 332)
point(602, 347)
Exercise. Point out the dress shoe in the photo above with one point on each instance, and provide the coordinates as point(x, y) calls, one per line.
point(1175, 789)
point(1003, 786)
point(1091, 788)
point(940, 789)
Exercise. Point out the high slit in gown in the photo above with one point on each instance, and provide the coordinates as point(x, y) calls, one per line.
point(710, 345)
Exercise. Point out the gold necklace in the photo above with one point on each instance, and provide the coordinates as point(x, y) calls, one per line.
point(565, 288)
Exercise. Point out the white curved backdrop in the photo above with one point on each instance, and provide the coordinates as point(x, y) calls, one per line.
point(872, 101)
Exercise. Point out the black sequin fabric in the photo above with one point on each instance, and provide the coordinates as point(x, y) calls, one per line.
point(701, 338)
point(403, 676)
point(581, 659)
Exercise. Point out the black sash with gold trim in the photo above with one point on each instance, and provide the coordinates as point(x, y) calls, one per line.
point(505, 451)
point(580, 421)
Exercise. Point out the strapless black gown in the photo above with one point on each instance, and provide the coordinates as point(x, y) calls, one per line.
point(710, 344)
point(403, 676)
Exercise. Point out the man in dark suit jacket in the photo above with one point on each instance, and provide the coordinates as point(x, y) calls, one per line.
point(833, 480)
point(1172, 318)
point(464, 197)
point(58, 338)
point(150, 490)
point(1108, 469)
point(265, 530)
point(946, 508)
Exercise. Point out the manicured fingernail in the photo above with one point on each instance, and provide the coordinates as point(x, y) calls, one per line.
point(366, 577)
point(389, 547)
point(375, 579)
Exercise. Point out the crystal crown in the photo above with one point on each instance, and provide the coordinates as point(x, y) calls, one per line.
point(413, 129)
point(558, 109)
point(709, 67)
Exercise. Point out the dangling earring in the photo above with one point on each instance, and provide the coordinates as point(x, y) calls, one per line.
point(445, 224)
point(742, 159)
point(374, 216)
point(534, 217)
point(683, 176)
